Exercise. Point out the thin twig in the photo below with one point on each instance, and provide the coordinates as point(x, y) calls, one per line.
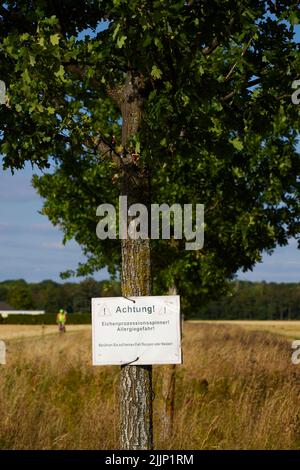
point(234, 65)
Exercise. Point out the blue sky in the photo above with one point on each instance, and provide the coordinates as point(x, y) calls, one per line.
point(31, 248)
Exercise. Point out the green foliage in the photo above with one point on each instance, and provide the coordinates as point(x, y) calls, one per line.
point(218, 128)
point(51, 296)
point(243, 300)
point(255, 301)
point(20, 297)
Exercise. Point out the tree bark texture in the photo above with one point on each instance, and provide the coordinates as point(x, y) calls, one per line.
point(136, 394)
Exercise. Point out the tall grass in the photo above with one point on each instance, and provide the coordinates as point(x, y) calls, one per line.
point(237, 389)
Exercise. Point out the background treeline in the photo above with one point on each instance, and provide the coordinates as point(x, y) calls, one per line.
point(255, 301)
point(245, 300)
point(51, 296)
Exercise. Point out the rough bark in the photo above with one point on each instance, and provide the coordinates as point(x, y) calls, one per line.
point(135, 381)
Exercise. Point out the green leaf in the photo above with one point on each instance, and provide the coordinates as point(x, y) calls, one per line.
point(117, 29)
point(26, 76)
point(237, 143)
point(54, 39)
point(294, 18)
point(158, 43)
point(185, 100)
point(238, 172)
point(52, 20)
point(32, 60)
point(201, 70)
point(147, 41)
point(156, 73)
point(138, 147)
point(60, 73)
point(24, 37)
point(41, 41)
point(121, 41)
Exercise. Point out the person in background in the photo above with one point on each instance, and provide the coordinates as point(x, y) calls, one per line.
point(61, 319)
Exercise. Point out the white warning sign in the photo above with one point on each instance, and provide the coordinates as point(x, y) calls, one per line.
point(137, 330)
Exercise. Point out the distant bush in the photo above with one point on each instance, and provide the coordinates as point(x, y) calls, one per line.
point(46, 319)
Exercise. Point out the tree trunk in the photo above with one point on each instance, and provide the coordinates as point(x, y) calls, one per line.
point(135, 381)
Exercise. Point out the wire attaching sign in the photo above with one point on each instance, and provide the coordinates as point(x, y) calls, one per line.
point(137, 331)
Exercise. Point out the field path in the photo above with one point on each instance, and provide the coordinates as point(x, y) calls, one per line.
point(290, 329)
point(8, 332)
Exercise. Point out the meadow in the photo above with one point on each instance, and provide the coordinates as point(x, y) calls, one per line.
point(237, 389)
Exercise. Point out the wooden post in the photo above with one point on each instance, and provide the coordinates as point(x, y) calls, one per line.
point(168, 392)
point(2, 352)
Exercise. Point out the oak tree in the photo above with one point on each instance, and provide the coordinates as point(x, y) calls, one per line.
point(185, 101)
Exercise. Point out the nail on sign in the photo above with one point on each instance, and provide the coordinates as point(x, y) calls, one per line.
point(137, 331)
point(2, 352)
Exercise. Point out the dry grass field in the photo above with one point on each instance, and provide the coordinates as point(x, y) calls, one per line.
point(237, 389)
point(290, 328)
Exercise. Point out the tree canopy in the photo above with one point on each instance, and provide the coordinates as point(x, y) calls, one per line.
point(218, 126)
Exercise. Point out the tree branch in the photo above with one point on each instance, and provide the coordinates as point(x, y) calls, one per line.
point(234, 65)
point(231, 94)
point(117, 94)
point(215, 42)
point(209, 49)
point(80, 72)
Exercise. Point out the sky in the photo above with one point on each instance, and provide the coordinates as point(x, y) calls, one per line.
point(31, 248)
